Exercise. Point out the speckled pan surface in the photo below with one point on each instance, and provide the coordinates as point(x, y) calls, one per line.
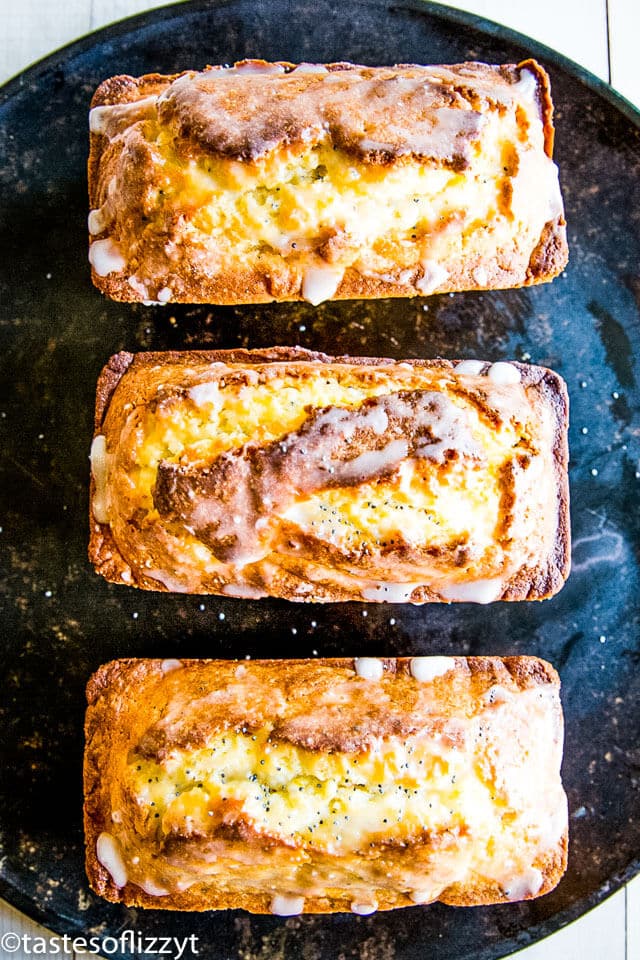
point(60, 621)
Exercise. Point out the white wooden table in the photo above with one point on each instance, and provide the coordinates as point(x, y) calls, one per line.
point(601, 35)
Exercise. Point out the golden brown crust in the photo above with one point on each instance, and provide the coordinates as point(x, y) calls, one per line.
point(125, 696)
point(250, 132)
point(530, 580)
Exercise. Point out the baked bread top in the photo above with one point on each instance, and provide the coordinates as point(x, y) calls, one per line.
point(379, 114)
point(324, 785)
point(276, 181)
point(288, 473)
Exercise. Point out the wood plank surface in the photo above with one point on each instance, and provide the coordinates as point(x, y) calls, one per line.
point(575, 28)
point(624, 34)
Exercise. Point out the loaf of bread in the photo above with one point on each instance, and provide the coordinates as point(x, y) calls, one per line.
point(271, 181)
point(292, 474)
point(324, 785)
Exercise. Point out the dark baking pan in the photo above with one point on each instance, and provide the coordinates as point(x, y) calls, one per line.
point(60, 621)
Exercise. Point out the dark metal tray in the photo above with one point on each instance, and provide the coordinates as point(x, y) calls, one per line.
point(60, 621)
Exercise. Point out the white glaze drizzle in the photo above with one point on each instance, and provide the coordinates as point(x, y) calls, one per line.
point(433, 276)
point(105, 256)
point(376, 461)
point(109, 855)
point(284, 906)
point(527, 86)
point(363, 909)
point(316, 108)
point(112, 118)
point(425, 895)
point(555, 827)
point(139, 287)
point(476, 591)
point(182, 885)
point(388, 592)
point(310, 68)
point(369, 668)
point(347, 421)
point(153, 889)
point(375, 146)
point(170, 664)
point(426, 669)
point(205, 393)
point(472, 368)
point(556, 206)
point(448, 124)
point(497, 694)
point(503, 373)
point(99, 470)
point(244, 591)
point(97, 221)
point(172, 583)
point(543, 204)
point(255, 67)
point(525, 884)
point(377, 419)
point(480, 276)
point(320, 284)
